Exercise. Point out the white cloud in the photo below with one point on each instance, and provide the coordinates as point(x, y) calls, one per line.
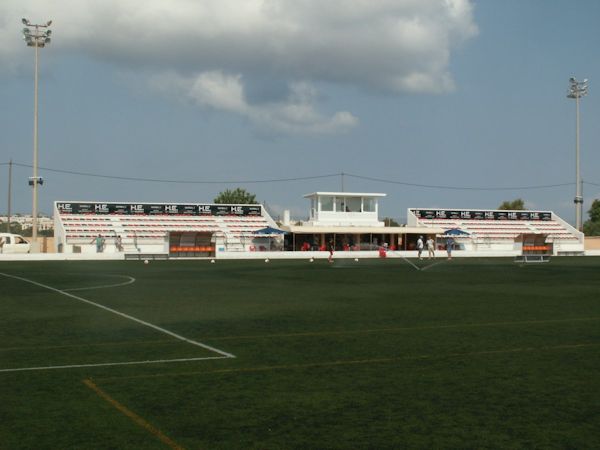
point(387, 45)
point(220, 91)
point(295, 113)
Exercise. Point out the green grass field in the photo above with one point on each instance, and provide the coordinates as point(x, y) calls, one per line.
point(469, 353)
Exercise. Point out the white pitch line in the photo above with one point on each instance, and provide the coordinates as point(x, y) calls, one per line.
point(125, 363)
point(104, 286)
point(414, 265)
point(405, 260)
point(432, 265)
point(127, 316)
point(408, 261)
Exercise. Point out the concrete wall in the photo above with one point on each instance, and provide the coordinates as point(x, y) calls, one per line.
point(46, 244)
point(592, 242)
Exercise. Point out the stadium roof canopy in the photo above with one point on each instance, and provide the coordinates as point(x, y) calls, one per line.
point(345, 194)
point(303, 229)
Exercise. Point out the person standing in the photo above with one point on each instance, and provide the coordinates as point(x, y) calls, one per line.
point(449, 244)
point(431, 247)
point(330, 247)
point(119, 243)
point(420, 247)
point(99, 240)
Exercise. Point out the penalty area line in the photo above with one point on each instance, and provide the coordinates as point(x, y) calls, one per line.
point(126, 316)
point(124, 363)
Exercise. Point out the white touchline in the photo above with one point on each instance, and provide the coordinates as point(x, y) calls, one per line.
point(104, 286)
point(127, 316)
point(125, 363)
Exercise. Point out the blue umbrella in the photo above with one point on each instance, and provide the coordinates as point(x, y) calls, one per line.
point(455, 232)
point(269, 230)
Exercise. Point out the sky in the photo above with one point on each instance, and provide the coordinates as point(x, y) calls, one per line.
point(437, 103)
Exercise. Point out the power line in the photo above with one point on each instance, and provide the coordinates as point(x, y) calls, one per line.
point(285, 180)
point(157, 180)
point(463, 188)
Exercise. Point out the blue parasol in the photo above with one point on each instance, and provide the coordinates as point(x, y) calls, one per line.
point(269, 231)
point(455, 232)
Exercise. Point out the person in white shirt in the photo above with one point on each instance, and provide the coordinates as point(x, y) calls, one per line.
point(431, 247)
point(420, 247)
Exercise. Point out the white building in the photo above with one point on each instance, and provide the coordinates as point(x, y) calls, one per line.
point(344, 209)
point(26, 221)
point(351, 221)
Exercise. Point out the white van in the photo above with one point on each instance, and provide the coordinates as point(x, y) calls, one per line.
point(13, 243)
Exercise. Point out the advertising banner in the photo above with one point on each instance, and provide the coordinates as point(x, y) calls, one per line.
point(463, 214)
point(151, 209)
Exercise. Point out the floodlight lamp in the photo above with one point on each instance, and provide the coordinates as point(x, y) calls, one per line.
point(572, 80)
point(47, 40)
point(48, 33)
point(26, 31)
point(25, 21)
point(48, 23)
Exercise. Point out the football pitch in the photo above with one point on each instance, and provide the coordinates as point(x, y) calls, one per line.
point(369, 354)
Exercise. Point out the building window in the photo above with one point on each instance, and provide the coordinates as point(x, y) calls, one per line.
point(340, 204)
point(327, 203)
point(368, 205)
point(353, 204)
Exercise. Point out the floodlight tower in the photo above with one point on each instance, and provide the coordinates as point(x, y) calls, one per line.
point(577, 89)
point(37, 36)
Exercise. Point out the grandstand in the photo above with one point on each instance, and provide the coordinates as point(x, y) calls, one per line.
point(501, 231)
point(155, 230)
point(160, 228)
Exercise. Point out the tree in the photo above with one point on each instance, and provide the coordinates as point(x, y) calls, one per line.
point(515, 205)
point(15, 228)
point(591, 227)
point(46, 233)
point(236, 196)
